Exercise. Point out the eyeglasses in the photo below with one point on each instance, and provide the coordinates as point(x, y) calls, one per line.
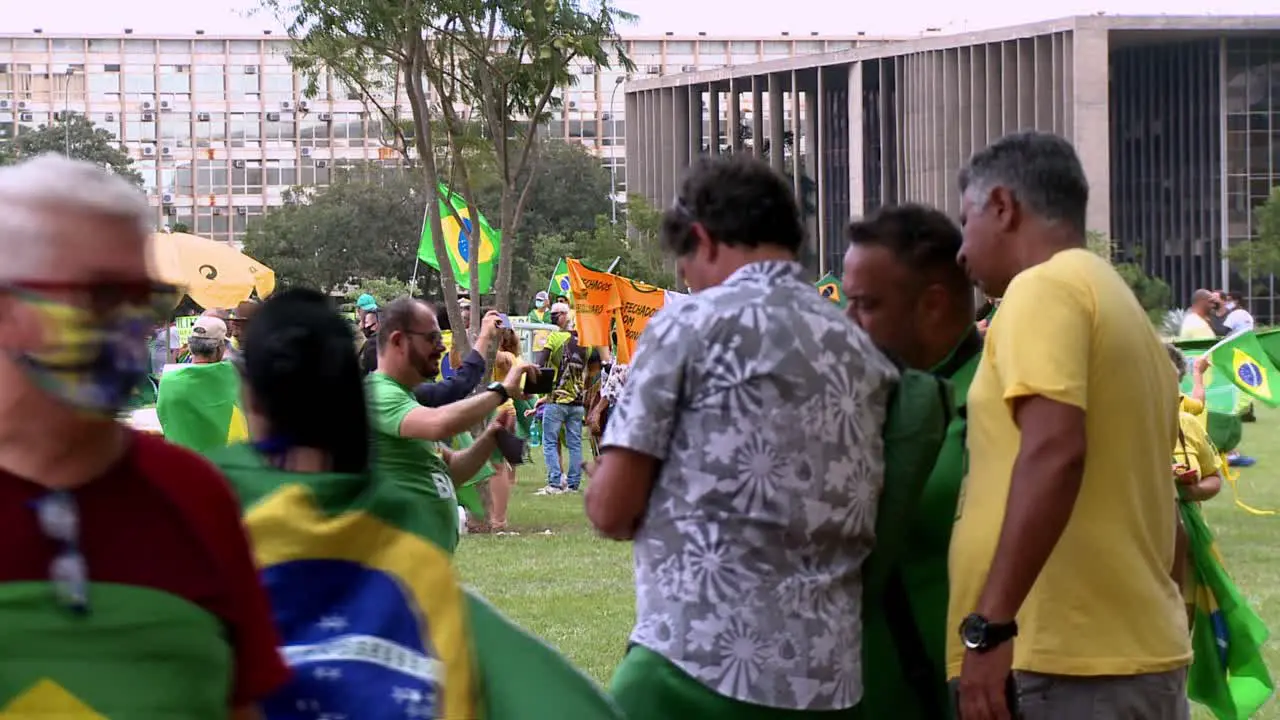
point(59, 519)
point(105, 296)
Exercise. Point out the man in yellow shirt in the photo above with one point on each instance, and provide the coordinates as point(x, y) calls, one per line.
point(1064, 534)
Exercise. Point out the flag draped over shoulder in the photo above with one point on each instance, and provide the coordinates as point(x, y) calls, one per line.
point(559, 284)
point(1228, 674)
point(459, 239)
point(1241, 358)
point(829, 288)
point(199, 406)
point(374, 622)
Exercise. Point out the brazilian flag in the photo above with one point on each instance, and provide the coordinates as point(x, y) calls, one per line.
point(559, 284)
point(199, 406)
point(829, 288)
point(374, 620)
point(1241, 358)
point(1228, 674)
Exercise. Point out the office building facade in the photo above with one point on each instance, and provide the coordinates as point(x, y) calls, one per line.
point(1176, 120)
point(219, 127)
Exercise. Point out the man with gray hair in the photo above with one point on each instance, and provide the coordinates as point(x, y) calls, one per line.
point(109, 533)
point(1064, 534)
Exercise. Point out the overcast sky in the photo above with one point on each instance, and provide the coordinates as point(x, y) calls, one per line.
point(724, 17)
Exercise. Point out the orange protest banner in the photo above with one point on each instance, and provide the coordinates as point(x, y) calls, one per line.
point(595, 303)
point(637, 303)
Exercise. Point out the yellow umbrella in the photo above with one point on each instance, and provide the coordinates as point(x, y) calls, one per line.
point(214, 274)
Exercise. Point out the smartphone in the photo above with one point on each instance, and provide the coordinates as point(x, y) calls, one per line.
point(504, 322)
point(545, 383)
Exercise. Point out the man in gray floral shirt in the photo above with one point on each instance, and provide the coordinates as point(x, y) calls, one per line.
point(745, 460)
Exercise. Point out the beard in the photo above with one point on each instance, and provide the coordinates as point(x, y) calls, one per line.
point(427, 366)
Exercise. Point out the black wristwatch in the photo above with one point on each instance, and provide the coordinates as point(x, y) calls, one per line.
point(981, 635)
point(497, 387)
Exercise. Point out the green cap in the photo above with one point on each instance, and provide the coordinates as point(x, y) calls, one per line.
point(366, 302)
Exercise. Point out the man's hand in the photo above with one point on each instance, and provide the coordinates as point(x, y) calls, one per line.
point(489, 325)
point(506, 420)
point(1185, 475)
point(514, 382)
point(983, 679)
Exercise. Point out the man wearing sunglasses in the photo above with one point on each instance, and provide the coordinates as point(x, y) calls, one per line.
point(122, 549)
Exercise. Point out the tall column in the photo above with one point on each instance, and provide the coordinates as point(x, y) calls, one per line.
point(680, 141)
point(666, 151)
point(733, 133)
point(757, 114)
point(1091, 134)
point(713, 119)
point(857, 187)
point(694, 95)
point(812, 158)
point(634, 155)
point(776, 125)
point(797, 171)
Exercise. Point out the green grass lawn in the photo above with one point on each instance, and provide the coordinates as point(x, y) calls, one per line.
point(573, 589)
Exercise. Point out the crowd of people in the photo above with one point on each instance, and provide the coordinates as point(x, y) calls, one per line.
point(1041, 571)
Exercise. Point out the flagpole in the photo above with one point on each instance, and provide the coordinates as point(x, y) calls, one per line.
point(413, 282)
point(614, 264)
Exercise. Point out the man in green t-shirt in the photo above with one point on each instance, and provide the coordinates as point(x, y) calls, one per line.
point(541, 311)
point(407, 436)
point(906, 290)
point(564, 407)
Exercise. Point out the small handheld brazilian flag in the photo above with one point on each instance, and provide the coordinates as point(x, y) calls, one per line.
point(829, 288)
point(1243, 359)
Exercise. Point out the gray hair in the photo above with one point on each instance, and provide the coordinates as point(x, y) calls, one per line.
point(1178, 359)
point(204, 347)
point(1040, 169)
point(34, 190)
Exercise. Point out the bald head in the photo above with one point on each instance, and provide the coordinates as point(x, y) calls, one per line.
point(69, 220)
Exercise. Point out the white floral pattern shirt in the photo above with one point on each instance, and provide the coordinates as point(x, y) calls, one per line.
point(765, 406)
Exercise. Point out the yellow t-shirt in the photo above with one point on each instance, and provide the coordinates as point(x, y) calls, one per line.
point(1070, 330)
point(1194, 449)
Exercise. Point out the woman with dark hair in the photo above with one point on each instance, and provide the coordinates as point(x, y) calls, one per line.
point(355, 569)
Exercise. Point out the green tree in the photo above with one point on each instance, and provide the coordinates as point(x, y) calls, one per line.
point(1153, 293)
point(384, 290)
point(365, 224)
point(501, 58)
point(74, 135)
point(1259, 256)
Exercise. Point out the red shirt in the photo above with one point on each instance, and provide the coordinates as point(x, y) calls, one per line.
point(162, 518)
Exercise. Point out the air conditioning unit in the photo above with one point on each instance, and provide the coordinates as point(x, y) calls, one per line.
point(165, 106)
point(148, 117)
point(171, 211)
point(304, 105)
point(166, 151)
point(653, 69)
point(217, 211)
point(273, 117)
point(306, 152)
point(167, 198)
point(148, 151)
point(322, 163)
point(688, 68)
point(110, 117)
point(286, 105)
point(250, 69)
point(239, 164)
point(146, 105)
point(202, 117)
point(326, 117)
point(4, 104)
point(22, 105)
point(588, 69)
point(26, 117)
point(242, 211)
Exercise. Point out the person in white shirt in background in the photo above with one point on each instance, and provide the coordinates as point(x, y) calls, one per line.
point(159, 356)
point(1238, 318)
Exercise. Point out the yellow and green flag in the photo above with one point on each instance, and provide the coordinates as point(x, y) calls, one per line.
point(459, 239)
point(829, 288)
point(559, 284)
point(1242, 358)
point(199, 406)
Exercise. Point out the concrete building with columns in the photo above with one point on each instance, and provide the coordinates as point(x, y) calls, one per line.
point(1176, 120)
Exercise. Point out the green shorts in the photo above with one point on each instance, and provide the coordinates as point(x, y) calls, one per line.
point(647, 686)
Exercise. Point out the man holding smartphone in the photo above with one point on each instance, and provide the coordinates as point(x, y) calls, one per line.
point(564, 405)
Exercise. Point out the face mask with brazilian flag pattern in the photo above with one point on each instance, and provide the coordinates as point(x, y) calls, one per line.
point(89, 362)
